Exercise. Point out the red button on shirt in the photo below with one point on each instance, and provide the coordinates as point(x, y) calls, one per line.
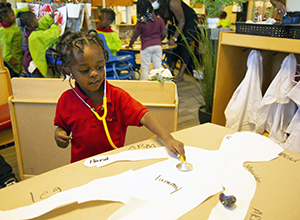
point(88, 133)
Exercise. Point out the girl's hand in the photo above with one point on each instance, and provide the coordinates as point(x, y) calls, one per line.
point(61, 137)
point(53, 13)
point(173, 145)
point(176, 147)
point(30, 7)
point(57, 23)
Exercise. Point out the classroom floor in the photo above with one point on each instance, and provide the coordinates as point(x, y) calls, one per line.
point(187, 117)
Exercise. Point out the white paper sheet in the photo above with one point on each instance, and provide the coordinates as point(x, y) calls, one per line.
point(160, 191)
point(237, 181)
point(133, 155)
point(95, 190)
point(61, 18)
point(174, 192)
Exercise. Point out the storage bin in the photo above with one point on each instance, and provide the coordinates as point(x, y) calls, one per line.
point(270, 30)
point(295, 31)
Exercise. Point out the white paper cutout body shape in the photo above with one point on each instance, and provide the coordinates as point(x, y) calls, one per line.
point(242, 147)
point(161, 188)
point(241, 110)
point(190, 189)
point(205, 178)
point(94, 190)
point(165, 198)
point(276, 109)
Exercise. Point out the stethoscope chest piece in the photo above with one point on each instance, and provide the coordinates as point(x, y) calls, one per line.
point(184, 166)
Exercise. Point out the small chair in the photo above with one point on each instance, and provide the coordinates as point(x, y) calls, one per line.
point(6, 135)
point(136, 66)
point(117, 65)
point(164, 60)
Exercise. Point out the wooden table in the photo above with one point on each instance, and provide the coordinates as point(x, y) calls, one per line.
point(137, 48)
point(276, 197)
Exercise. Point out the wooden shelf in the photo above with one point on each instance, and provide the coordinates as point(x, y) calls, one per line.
point(95, 13)
point(261, 42)
point(125, 25)
point(231, 68)
point(114, 2)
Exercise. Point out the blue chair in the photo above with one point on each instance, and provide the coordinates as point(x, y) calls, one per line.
point(136, 66)
point(164, 61)
point(117, 67)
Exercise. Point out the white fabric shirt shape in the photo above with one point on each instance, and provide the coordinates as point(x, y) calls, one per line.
point(293, 141)
point(276, 109)
point(241, 110)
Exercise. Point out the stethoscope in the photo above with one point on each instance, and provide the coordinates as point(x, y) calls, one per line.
point(183, 166)
point(95, 112)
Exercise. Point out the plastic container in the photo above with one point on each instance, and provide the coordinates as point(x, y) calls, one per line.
point(270, 30)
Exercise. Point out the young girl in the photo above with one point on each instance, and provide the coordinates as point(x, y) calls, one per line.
point(83, 58)
point(38, 38)
point(11, 39)
point(152, 30)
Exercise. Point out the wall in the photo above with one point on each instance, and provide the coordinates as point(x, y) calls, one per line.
point(12, 2)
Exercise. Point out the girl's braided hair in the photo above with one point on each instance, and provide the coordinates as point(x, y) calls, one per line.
point(144, 11)
point(70, 40)
point(4, 9)
point(25, 18)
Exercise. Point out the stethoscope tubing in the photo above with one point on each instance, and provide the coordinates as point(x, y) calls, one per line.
point(95, 112)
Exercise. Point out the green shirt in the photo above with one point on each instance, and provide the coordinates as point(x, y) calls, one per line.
point(40, 40)
point(112, 39)
point(224, 23)
point(11, 43)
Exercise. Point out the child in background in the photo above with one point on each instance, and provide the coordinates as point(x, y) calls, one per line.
point(106, 18)
point(224, 23)
point(83, 58)
point(152, 30)
point(38, 38)
point(11, 39)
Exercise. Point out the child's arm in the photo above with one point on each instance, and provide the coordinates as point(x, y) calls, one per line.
point(7, 48)
point(163, 34)
point(61, 137)
point(39, 41)
point(173, 145)
point(45, 22)
point(115, 43)
point(162, 28)
point(133, 39)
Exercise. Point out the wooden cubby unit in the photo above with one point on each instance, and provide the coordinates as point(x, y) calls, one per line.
point(232, 64)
